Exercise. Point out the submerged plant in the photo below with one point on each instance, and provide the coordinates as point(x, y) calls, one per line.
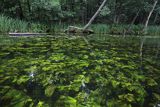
point(67, 72)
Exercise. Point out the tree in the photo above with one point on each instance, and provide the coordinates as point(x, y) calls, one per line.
point(80, 11)
point(150, 14)
point(85, 29)
point(95, 15)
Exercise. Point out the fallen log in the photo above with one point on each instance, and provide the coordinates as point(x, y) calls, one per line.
point(28, 34)
point(74, 30)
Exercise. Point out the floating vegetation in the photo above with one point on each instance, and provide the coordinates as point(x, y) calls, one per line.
point(62, 72)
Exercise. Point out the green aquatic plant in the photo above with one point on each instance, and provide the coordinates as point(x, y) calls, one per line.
point(67, 72)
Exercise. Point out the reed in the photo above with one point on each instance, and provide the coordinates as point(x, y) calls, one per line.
point(154, 30)
point(8, 24)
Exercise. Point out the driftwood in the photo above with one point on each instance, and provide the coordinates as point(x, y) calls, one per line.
point(28, 34)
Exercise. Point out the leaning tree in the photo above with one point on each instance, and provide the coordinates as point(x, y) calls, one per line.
point(149, 16)
point(74, 29)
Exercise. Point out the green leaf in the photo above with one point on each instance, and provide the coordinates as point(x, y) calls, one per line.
point(22, 79)
point(49, 90)
point(115, 83)
point(129, 97)
point(98, 68)
point(157, 96)
point(85, 56)
point(66, 101)
point(151, 82)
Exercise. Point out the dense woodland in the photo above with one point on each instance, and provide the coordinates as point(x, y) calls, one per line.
point(80, 11)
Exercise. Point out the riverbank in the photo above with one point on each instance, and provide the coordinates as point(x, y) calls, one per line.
point(15, 25)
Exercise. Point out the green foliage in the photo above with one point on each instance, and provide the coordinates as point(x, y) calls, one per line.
point(105, 11)
point(80, 11)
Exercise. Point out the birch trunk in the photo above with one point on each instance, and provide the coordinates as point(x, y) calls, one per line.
point(95, 15)
point(148, 18)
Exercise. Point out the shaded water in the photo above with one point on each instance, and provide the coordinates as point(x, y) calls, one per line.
point(95, 71)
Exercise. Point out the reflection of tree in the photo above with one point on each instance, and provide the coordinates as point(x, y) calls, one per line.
point(157, 53)
point(141, 50)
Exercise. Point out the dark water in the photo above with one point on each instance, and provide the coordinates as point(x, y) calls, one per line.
point(94, 71)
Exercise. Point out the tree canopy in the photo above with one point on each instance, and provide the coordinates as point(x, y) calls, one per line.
point(80, 11)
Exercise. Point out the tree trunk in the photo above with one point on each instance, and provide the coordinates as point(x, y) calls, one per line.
point(29, 7)
point(115, 19)
point(156, 17)
point(128, 31)
point(20, 12)
point(133, 21)
point(95, 15)
point(135, 17)
point(148, 18)
point(85, 30)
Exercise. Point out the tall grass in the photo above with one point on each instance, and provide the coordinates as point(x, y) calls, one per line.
point(154, 30)
point(58, 28)
point(100, 28)
point(8, 24)
point(121, 29)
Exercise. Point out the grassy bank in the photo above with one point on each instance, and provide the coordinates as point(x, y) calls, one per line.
point(125, 29)
point(11, 25)
point(112, 29)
